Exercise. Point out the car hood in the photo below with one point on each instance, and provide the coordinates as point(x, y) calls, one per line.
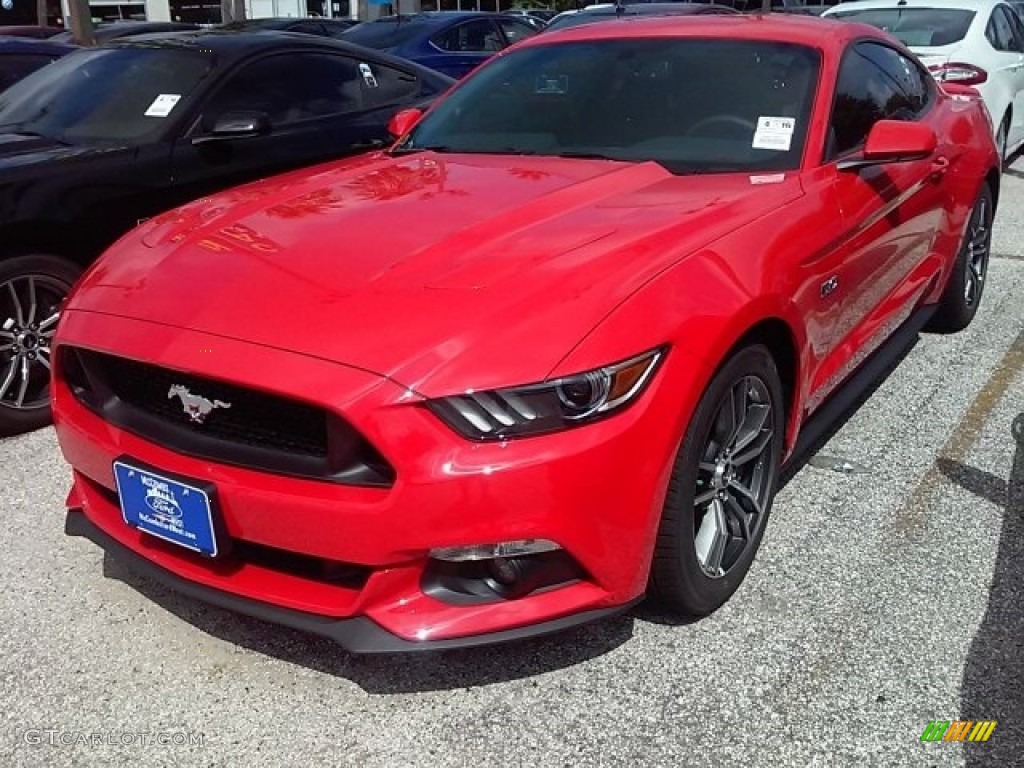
point(438, 271)
point(23, 154)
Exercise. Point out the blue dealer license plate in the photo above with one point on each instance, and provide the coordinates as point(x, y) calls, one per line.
point(172, 510)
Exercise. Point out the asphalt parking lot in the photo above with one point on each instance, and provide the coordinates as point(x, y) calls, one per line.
point(882, 599)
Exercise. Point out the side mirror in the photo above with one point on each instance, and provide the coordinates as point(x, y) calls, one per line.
point(403, 122)
point(893, 141)
point(236, 125)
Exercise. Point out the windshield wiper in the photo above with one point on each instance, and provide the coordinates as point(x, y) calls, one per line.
point(583, 155)
point(407, 150)
point(32, 134)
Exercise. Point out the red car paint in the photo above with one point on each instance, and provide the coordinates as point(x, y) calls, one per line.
point(371, 285)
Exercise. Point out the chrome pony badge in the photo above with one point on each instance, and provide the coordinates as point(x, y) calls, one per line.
point(197, 407)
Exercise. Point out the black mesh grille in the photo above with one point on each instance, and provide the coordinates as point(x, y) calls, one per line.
point(249, 428)
point(253, 418)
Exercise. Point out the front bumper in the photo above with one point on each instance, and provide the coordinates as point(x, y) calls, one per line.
point(356, 635)
point(597, 491)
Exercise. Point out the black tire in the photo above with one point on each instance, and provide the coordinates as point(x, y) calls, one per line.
point(678, 577)
point(960, 299)
point(40, 284)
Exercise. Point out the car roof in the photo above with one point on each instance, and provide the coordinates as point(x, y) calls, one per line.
point(432, 17)
point(967, 5)
point(18, 30)
point(280, 22)
point(641, 9)
point(227, 42)
point(811, 31)
point(233, 44)
point(29, 45)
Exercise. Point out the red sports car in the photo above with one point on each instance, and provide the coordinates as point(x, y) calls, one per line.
point(545, 355)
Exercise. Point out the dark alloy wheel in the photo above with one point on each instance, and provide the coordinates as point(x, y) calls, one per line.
point(722, 486)
point(32, 289)
point(962, 295)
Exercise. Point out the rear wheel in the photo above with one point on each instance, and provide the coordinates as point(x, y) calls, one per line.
point(722, 486)
point(32, 289)
point(960, 299)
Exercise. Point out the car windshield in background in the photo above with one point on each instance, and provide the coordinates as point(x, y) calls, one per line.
point(693, 105)
point(919, 27)
point(384, 33)
point(113, 93)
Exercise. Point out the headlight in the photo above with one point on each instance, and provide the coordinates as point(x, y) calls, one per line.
point(548, 406)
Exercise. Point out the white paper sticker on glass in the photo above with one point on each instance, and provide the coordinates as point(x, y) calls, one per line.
point(163, 104)
point(367, 73)
point(774, 133)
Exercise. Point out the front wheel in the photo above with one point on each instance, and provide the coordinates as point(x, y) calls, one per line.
point(962, 295)
point(32, 289)
point(722, 486)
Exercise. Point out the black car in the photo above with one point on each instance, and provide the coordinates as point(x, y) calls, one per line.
point(33, 31)
point(106, 137)
point(19, 58)
point(308, 26)
point(114, 30)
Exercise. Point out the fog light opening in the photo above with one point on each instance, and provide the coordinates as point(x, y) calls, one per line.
point(495, 572)
point(512, 577)
point(505, 571)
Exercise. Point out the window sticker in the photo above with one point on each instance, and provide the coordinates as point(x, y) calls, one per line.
point(163, 104)
point(769, 178)
point(555, 84)
point(774, 133)
point(367, 73)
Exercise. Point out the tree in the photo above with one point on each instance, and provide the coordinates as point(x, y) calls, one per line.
point(81, 22)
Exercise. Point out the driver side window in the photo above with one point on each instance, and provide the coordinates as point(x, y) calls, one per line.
point(290, 88)
point(875, 83)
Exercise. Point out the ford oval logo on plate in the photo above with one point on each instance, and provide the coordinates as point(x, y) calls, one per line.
point(178, 512)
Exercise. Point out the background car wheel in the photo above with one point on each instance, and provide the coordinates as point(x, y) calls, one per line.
point(31, 291)
point(722, 486)
point(960, 299)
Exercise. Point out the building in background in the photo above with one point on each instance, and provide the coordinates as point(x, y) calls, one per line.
point(23, 12)
point(200, 11)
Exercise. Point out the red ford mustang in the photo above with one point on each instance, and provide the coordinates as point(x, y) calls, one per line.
point(548, 353)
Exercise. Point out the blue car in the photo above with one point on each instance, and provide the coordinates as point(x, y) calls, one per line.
point(21, 56)
point(451, 42)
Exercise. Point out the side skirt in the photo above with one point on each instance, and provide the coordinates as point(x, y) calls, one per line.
point(853, 392)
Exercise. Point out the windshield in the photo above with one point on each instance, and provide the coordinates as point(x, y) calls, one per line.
point(115, 94)
point(692, 105)
point(920, 27)
point(384, 33)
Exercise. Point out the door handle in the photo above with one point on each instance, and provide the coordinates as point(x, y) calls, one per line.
point(939, 167)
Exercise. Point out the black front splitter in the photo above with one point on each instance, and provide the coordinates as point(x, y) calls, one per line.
point(356, 635)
